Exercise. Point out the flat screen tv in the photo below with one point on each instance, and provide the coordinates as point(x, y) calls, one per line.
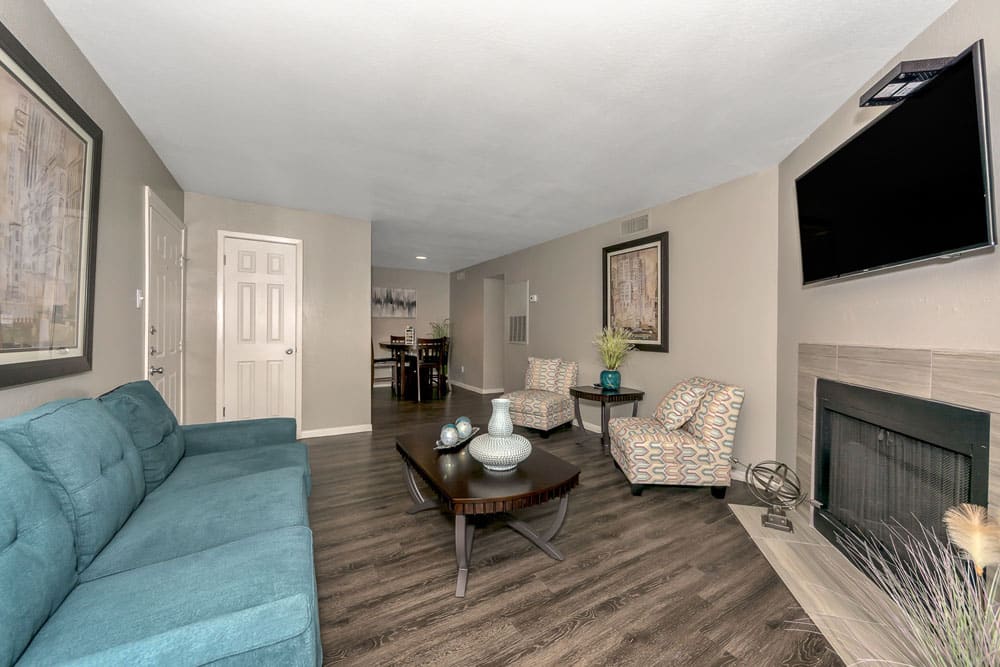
point(914, 185)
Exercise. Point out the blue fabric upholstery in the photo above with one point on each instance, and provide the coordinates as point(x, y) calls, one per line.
point(172, 523)
point(37, 561)
point(207, 468)
point(251, 602)
point(225, 436)
point(151, 424)
point(89, 463)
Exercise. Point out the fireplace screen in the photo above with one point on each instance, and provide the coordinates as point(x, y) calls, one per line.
point(879, 477)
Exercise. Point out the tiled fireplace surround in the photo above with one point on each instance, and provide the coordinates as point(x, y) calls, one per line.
point(839, 600)
point(967, 379)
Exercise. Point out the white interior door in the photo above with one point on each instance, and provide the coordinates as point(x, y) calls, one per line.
point(259, 331)
point(165, 236)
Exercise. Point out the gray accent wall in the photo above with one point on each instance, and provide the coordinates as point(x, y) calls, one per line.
point(128, 164)
point(336, 305)
point(723, 304)
point(954, 305)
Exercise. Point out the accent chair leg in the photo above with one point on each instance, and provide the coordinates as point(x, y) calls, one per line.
point(719, 491)
point(637, 489)
point(544, 434)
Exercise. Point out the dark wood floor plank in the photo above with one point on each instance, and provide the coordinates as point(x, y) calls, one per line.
point(669, 577)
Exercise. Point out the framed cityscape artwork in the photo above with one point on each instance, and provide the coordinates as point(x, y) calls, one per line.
point(635, 290)
point(50, 156)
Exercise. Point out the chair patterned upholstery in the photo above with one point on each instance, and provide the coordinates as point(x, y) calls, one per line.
point(545, 403)
point(698, 453)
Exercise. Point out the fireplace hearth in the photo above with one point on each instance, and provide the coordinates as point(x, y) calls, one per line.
point(884, 459)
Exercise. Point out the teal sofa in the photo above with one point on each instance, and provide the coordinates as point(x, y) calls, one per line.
point(127, 539)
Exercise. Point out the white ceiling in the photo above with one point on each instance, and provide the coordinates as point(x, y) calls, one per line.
point(467, 130)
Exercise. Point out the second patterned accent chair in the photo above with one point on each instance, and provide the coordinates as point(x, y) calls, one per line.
point(687, 441)
point(544, 403)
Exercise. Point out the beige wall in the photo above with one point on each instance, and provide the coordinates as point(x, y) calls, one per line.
point(336, 305)
point(493, 333)
point(723, 303)
point(432, 301)
point(128, 164)
point(949, 306)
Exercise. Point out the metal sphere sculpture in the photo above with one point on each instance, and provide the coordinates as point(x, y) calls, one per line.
point(776, 485)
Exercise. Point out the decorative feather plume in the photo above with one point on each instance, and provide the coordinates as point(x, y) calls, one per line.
point(973, 533)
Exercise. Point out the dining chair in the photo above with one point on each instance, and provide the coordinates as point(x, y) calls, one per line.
point(384, 362)
point(399, 356)
point(431, 358)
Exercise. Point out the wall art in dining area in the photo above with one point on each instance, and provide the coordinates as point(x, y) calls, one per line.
point(394, 302)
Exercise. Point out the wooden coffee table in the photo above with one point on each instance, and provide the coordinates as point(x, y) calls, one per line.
point(467, 490)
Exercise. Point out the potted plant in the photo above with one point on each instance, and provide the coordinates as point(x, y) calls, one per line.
point(614, 346)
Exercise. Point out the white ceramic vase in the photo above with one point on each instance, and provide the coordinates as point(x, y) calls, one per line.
point(500, 424)
point(501, 450)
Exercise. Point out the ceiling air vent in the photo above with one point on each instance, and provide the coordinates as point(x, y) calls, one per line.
point(639, 223)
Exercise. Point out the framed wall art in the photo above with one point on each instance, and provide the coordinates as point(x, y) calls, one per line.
point(50, 157)
point(394, 302)
point(635, 290)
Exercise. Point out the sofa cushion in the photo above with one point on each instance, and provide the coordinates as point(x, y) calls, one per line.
point(152, 426)
point(37, 561)
point(175, 522)
point(251, 602)
point(543, 374)
point(207, 468)
point(88, 461)
point(679, 405)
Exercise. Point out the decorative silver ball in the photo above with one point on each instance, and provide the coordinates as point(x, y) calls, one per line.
point(776, 484)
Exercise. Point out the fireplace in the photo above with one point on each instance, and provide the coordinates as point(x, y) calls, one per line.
point(883, 458)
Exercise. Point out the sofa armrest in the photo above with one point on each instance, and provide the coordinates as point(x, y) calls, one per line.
point(227, 436)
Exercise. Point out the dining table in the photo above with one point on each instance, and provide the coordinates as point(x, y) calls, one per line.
point(404, 353)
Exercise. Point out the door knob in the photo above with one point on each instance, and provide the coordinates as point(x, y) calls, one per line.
point(156, 370)
point(289, 351)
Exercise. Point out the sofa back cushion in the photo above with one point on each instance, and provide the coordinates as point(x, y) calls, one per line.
point(543, 374)
point(680, 404)
point(89, 463)
point(714, 422)
point(151, 424)
point(37, 561)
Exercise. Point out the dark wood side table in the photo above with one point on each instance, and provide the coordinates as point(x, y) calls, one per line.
point(607, 398)
point(464, 488)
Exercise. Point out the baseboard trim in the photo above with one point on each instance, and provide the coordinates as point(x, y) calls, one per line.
point(478, 390)
point(335, 430)
point(739, 475)
point(593, 428)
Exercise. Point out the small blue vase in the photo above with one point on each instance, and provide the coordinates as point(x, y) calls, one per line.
point(611, 379)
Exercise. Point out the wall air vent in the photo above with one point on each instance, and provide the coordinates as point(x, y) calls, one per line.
point(639, 223)
point(517, 329)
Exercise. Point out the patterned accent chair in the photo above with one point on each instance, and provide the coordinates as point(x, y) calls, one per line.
point(688, 440)
point(544, 403)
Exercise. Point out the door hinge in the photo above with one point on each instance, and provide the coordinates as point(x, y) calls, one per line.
point(223, 260)
point(223, 411)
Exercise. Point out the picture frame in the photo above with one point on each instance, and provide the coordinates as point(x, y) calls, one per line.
point(394, 302)
point(50, 162)
point(635, 291)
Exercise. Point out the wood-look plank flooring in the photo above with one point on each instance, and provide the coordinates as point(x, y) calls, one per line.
point(668, 578)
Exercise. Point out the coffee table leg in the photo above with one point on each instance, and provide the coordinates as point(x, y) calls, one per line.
point(464, 534)
point(419, 502)
point(542, 540)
